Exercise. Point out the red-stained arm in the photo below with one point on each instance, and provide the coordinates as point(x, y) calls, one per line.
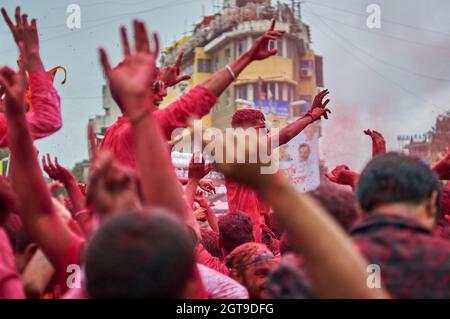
point(58, 173)
point(43, 223)
point(317, 111)
point(210, 215)
point(378, 142)
point(342, 175)
point(45, 117)
point(220, 80)
point(442, 168)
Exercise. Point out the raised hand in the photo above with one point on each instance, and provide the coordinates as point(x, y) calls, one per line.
point(260, 48)
point(14, 84)
point(131, 81)
point(341, 174)
point(27, 34)
point(198, 170)
point(318, 108)
point(170, 75)
point(442, 168)
point(207, 185)
point(378, 142)
point(55, 171)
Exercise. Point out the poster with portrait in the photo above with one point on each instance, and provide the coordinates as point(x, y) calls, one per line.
point(299, 159)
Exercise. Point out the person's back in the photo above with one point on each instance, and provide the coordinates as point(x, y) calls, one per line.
point(399, 200)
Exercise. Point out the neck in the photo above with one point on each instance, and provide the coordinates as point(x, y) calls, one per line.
point(409, 210)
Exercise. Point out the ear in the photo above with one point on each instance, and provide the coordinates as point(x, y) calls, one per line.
point(359, 211)
point(431, 205)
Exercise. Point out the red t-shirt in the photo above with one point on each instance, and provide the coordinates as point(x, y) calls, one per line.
point(245, 200)
point(196, 103)
point(45, 117)
point(10, 283)
point(205, 258)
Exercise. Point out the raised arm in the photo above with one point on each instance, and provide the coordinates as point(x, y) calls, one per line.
point(336, 268)
point(442, 168)
point(45, 115)
point(378, 142)
point(63, 175)
point(342, 175)
point(317, 111)
point(131, 83)
point(220, 80)
point(35, 205)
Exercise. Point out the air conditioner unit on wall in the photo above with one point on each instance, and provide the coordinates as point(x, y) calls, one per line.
point(306, 72)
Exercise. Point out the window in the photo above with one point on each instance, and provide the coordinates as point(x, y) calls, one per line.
point(227, 56)
point(241, 46)
point(204, 65)
point(242, 92)
point(289, 49)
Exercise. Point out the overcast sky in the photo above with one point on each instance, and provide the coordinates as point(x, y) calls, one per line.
point(395, 79)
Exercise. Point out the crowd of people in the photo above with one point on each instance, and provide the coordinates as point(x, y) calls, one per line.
point(136, 230)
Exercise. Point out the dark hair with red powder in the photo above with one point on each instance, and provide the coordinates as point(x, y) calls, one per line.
point(246, 117)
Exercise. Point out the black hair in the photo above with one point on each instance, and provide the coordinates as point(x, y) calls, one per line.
point(140, 255)
point(395, 178)
point(235, 228)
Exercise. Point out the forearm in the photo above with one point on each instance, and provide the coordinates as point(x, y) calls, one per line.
point(27, 178)
point(190, 190)
point(293, 129)
point(336, 268)
point(212, 218)
point(159, 182)
point(220, 80)
point(76, 196)
point(33, 62)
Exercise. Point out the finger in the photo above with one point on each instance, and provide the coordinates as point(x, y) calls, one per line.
point(180, 58)
point(325, 103)
point(4, 83)
point(274, 51)
point(182, 78)
point(141, 41)
point(44, 163)
point(125, 42)
point(155, 51)
point(25, 20)
point(272, 25)
point(56, 162)
point(17, 16)
point(105, 62)
point(270, 37)
point(367, 132)
point(8, 20)
point(276, 34)
point(34, 24)
point(331, 178)
point(92, 139)
point(50, 163)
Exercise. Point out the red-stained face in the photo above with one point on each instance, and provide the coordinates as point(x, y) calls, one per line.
point(159, 92)
point(255, 278)
point(304, 153)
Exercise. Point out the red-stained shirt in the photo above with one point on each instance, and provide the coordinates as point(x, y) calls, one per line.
point(195, 103)
point(10, 283)
point(413, 263)
point(45, 117)
point(205, 258)
point(245, 200)
point(219, 286)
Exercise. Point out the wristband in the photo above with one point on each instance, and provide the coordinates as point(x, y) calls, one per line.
point(228, 67)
